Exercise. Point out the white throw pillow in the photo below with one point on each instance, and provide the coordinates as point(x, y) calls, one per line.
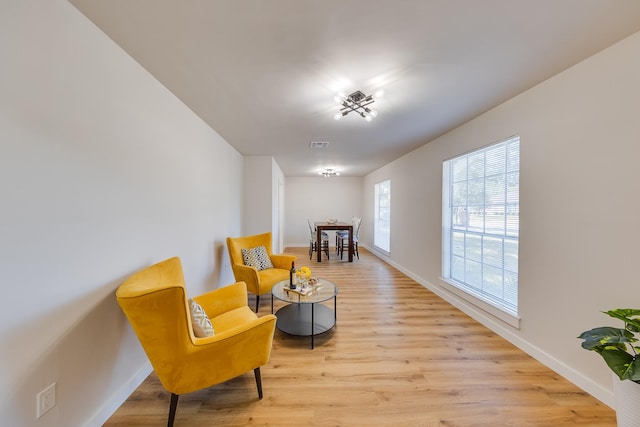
point(201, 324)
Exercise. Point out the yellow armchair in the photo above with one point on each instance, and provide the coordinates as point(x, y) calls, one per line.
point(155, 302)
point(258, 282)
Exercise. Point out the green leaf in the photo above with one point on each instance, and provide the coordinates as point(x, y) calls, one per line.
point(622, 363)
point(630, 316)
point(599, 339)
point(611, 343)
point(633, 371)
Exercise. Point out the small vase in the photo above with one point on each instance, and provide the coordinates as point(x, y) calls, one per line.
point(627, 394)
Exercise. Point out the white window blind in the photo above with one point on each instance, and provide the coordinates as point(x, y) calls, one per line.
point(481, 210)
point(382, 223)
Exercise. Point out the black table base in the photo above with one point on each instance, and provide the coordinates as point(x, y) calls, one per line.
point(305, 319)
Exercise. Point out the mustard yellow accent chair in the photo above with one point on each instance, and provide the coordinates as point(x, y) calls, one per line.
point(155, 302)
point(258, 282)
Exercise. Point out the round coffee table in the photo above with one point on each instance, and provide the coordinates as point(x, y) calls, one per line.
point(304, 315)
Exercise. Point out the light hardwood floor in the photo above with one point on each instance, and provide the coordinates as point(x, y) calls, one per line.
point(399, 356)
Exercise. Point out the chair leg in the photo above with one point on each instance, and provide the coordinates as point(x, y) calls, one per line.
point(256, 372)
point(257, 302)
point(172, 409)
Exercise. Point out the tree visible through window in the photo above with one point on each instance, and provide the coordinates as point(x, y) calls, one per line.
point(481, 223)
point(382, 220)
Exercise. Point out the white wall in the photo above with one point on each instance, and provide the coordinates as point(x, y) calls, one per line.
point(263, 179)
point(580, 145)
point(319, 199)
point(257, 195)
point(278, 197)
point(102, 172)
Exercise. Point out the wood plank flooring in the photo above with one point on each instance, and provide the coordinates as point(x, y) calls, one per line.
point(399, 356)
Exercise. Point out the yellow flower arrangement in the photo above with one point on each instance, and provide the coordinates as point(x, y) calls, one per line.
point(303, 273)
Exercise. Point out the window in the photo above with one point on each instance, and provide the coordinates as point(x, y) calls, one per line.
point(382, 216)
point(481, 210)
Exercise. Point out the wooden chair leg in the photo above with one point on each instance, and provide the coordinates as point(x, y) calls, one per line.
point(257, 302)
point(172, 409)
point(256, 372)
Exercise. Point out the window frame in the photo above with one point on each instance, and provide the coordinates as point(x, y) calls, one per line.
point(463, 250)
point(377, 236)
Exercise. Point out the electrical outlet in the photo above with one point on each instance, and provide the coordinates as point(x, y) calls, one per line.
point(46, 400)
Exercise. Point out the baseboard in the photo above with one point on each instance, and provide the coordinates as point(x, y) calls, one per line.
point(596, 390)
point(296, 245)
point(111, 406)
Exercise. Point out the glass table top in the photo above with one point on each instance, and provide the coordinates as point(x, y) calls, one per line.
point(324, 290)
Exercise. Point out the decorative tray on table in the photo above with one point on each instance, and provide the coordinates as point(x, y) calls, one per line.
point(305, 290)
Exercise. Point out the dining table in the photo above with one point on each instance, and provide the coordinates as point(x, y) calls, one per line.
point(331, 225)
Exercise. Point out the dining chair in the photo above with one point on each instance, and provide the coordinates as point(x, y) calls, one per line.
point(343, 234)
point(313, 237)
point(342, 237)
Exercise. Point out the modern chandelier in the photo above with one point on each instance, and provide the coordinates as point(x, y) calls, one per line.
point(328, 173)
point(358, 102)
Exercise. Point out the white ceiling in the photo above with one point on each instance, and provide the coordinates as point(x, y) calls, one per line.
point(264, 73)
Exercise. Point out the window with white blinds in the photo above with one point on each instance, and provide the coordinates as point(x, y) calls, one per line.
point(382, 220)
point(481, 210)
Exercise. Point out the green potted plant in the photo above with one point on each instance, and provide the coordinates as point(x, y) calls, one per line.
point(617, 348)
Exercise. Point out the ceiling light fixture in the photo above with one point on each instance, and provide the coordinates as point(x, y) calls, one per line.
point(357, 102)
point(328, 173)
